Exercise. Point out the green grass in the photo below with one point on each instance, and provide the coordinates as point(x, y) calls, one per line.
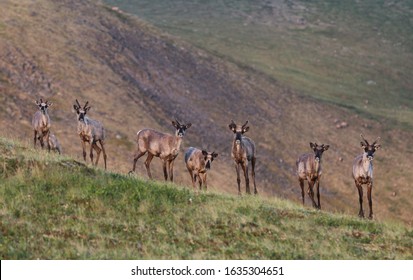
point(53, 207)
point(338, 52)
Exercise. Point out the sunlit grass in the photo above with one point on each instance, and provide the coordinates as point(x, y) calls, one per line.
point(70, 211)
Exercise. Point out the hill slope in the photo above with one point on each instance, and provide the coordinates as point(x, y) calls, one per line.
point(135, 76)
point(354, 54)
point(54, 207)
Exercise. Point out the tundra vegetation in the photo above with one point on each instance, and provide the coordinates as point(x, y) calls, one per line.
point(137, 76)
point(309, 45)
point(313, 48)
point(54, 207)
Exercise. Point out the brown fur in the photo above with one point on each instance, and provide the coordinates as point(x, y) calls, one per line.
point(90, 131)
point(54, 143)
point(309, 168)
point(243, 151)
point(363, 173)
point(162, 145)
point(198, 162)
point(41, 124)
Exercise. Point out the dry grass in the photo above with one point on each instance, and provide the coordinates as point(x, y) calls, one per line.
point(134, 76)
point(52, 207)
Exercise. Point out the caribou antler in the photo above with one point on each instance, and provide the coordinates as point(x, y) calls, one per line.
point(375, 141)
point(361, 135)
point(243, 126)
point(177, 122)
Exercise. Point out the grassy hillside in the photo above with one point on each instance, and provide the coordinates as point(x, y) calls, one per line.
point(135, 76)
point(355, 54)
point(53, 207)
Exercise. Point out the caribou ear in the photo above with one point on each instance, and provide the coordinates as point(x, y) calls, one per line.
point(188, 125)
point(326, 147)
point(75, 107)
point(175, 124)
point(245, 129)
point(214, 154)
point(87, 109)
point(363, 145)
point(364, 139)
point(312, 145)
point(205, 153)
point(232, 125)
point(49, 104)
point(377, 146)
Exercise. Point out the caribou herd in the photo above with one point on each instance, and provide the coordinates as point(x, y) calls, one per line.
point(198, 161)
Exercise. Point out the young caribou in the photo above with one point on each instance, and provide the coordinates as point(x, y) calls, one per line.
point(162, 145)
point(363, 172)
point(90, 131)
point(309, 168)
point(243, 152)
point(41, 123)
point(54, 144)
point(198, 163)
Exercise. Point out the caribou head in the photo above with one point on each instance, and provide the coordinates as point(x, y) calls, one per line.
point(180, 128)
point(369, 149)
point(43, 105)
point(238, 130)
point(318, 150)
point(81, 112)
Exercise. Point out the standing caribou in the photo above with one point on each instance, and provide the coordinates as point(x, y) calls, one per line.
point(198, 162)
point(243, 152)
point(90, 131)
point(41, 123)
point(309, 168)
point(363, 172)
point(162, 145)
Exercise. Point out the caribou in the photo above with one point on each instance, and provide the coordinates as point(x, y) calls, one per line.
point(198, 162)
point(41, 123)
point(363, 172)
point(90, 131)
point(309, 168)
point(55, 144)
point(159, 144)
point(243, 151)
